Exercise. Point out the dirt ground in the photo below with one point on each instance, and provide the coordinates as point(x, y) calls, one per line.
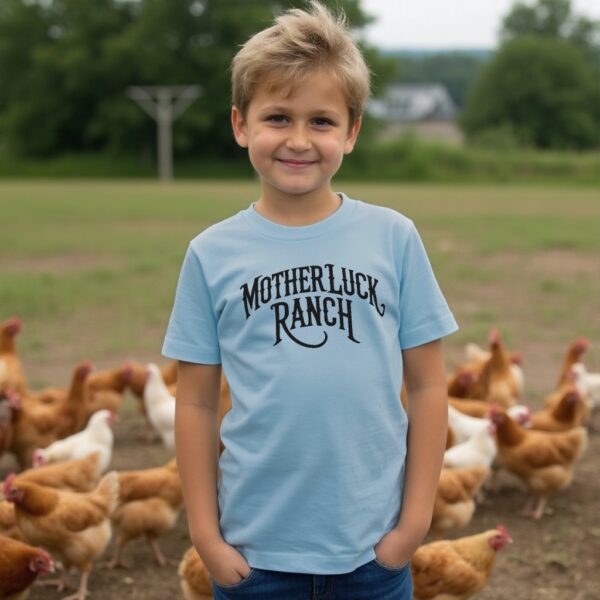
point(555, 558)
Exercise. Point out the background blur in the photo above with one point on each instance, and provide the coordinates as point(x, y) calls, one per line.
point(438, 113)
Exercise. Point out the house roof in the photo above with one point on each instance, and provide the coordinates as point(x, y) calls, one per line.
point(414, 102)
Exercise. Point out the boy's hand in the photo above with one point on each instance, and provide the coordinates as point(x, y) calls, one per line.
point(396, 548)
point(225, 564)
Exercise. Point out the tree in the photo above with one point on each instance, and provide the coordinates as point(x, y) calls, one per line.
point(554, 19)
point(542, 89)
point(65, 65)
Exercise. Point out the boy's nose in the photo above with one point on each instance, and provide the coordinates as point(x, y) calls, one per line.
point(298, 140)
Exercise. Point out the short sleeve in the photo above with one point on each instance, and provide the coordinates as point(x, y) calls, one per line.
point(192, 331)
point(424, 312)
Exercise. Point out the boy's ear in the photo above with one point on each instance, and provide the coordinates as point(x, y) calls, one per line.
point(239, 127)
point(352, 135)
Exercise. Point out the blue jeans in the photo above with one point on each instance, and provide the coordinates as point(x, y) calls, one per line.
point(371, 581)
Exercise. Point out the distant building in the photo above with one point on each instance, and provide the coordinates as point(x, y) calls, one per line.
point(427, 109)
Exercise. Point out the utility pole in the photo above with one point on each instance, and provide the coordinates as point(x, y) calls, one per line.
point(164, 103)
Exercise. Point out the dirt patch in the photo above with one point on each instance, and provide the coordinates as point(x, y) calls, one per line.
point(555, 558)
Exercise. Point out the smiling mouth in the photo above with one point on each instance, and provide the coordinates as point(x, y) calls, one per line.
point(296, 164)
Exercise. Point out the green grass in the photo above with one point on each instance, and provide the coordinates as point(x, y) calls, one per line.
point(91, 266)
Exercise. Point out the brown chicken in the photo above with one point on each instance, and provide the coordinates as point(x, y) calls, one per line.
point(567, 412)
point(454, 501)
point(149, 503)
point(456, 569)
point(75, 527)
point(20, 564)
point(542, 460)
point(80, 475)
point(195, 580)
point(496, 382)
point(472, 379)
point(12, 374)
point(104, 389)
point(38, 424)
point(574, 353)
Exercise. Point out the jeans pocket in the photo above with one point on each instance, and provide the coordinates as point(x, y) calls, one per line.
point(389, 569)
point(235, 586)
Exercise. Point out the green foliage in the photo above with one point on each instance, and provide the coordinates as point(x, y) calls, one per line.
point(543, 89)
point(554, 19)
point(65, 66)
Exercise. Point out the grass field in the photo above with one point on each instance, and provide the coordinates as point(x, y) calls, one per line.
point(91, 267)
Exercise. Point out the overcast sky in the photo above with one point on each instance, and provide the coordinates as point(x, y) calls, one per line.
point(445, 23)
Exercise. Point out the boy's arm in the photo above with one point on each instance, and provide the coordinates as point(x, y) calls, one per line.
point(426, 388)
point(197, 450)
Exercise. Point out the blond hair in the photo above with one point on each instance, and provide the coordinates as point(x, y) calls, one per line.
point(299, 44)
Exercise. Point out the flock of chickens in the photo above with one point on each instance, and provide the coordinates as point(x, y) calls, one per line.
point(64, 505)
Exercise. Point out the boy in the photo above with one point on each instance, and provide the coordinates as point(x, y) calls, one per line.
point(312, 302)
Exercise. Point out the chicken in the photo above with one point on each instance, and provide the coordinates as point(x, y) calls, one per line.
point(160, 406)
point(574, 353)
point(472, 379)
point(456, 569)
point(454, 501)
point(12, 374)
point(139, 375)
point(479, 450)
point(9, 404)
point(149, 503)
point(75, 527)
point(568, 412)
point(464, 426)
point(476, 356)
point(39, 423)
point(97, 437)
point(20, 564)
point(194, 577)
point(81, 475)
point(104, 389)
point(496, 383)
point(543, 461)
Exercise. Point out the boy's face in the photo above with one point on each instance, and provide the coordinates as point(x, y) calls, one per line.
point(296, 141)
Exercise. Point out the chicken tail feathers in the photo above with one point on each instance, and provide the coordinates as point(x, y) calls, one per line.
point(108, 488)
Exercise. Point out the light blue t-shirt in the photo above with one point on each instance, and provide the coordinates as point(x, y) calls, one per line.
point(309, 323)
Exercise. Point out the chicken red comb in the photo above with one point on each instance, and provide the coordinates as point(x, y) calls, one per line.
point(494, 337)
point(502, 530)
point(14, 326)
point(84, 369)
point(581, 345)
point(8, 483)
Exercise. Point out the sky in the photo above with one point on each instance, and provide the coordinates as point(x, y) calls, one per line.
point(445, 23)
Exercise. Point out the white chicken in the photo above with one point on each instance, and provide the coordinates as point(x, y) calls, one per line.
point(160, 406)
point(464, 426)
point(96, 437)
point(588, 385)
point(479, 450)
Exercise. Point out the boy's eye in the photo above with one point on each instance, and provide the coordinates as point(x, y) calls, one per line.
point(277, 119)
point(322, 122)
